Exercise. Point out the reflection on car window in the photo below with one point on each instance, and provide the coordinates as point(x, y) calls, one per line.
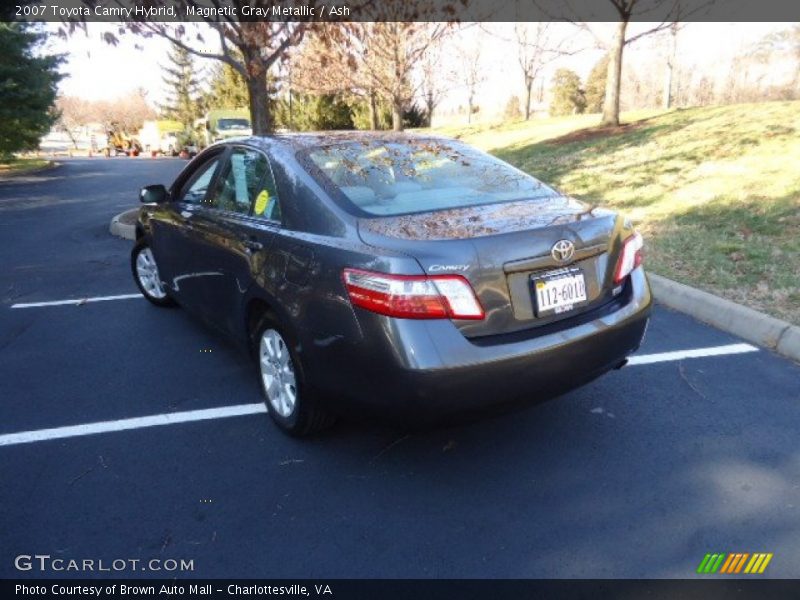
point(247, 182)
point(391, 178)
point(266, 204)
point(195, 192)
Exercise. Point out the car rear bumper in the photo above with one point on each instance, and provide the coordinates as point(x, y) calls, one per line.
point(428, 368)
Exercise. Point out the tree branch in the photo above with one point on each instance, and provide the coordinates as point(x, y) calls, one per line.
point(161, 31)
point(656, 29)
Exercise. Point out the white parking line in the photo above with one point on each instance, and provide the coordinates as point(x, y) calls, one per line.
point(648, 359)
point(40, 435)
point(77, 301)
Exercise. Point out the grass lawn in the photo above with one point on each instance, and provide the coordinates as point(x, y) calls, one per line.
point(17, 166)
point(715, 190)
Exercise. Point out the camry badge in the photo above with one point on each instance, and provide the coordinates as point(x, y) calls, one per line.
point(563, 250)
point(437, 268)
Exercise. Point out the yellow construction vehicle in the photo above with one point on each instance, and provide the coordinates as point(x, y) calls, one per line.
point(120, 142)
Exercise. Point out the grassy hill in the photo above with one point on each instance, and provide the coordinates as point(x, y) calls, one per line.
point(715, 190)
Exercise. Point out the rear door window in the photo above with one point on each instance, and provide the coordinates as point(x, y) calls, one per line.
point(267, 205)
point(246, 185)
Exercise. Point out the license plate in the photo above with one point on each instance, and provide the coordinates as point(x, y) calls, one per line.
point(558, 291)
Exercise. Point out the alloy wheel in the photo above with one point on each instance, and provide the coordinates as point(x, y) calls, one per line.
point(277, 372)
point(147, 272)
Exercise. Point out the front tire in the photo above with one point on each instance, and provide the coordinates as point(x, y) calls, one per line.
point(290, 402)
point(146, 276)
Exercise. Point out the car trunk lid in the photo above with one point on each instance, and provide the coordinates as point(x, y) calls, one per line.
point(498, 248)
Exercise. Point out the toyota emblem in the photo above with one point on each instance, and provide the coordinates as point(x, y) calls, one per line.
point(563, 250)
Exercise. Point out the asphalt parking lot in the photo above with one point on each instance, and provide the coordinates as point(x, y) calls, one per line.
point(639, 474)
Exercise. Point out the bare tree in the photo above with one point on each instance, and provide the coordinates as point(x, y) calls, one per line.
point(394, 50)
point(320, 67)
point(434, 80)
point(371, 60)
point(785, 42)
point(333, 64)
point(126, 113)
point(672, 51)
point(626, 10)
point(260, 45)
point(614, 78)
point(536, 49)
point(472, 75)
point(251, 48)
point(324, 66)
point(669, 74)
point(73, 115)
point(703, 92)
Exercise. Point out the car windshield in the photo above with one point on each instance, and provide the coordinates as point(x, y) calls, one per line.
point(231, 124)
point(392, 178)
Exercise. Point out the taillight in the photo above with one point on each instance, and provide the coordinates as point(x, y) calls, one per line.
point(413, 296)
point(630, 257)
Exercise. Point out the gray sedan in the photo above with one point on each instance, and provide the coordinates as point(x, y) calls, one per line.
point(404, 276)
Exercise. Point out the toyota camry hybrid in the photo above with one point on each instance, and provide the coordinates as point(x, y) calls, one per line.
point(393, 274)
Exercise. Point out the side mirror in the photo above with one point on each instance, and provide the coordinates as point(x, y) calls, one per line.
point(153, 194)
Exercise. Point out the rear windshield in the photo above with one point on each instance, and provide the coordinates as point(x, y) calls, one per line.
point(381, 178)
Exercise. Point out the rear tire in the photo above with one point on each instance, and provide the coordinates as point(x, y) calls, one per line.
point(292, 403)
point(146, 276)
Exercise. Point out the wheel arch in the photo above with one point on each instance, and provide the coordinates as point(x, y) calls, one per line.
point(255, 309)
point(259, 305)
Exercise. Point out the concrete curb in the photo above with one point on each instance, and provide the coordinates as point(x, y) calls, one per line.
point(754, 326)
point(121, 229)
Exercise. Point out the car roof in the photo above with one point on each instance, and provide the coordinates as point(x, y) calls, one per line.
point(307, 140)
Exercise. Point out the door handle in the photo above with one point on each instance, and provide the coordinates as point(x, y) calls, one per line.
point(252, 245)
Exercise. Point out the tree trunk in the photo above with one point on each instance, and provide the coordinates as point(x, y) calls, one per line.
point(259, 105)
point(667, 97)
point(614, 77)
point(397, 115)
point(528, 86)
point(670, 68)
point(430, 104)
point(291, 109)
point(72, 138)
point(291, 102)
point(258, 92)
point(373, 111)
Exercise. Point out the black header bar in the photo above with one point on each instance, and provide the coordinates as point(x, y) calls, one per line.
point(236, 11)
